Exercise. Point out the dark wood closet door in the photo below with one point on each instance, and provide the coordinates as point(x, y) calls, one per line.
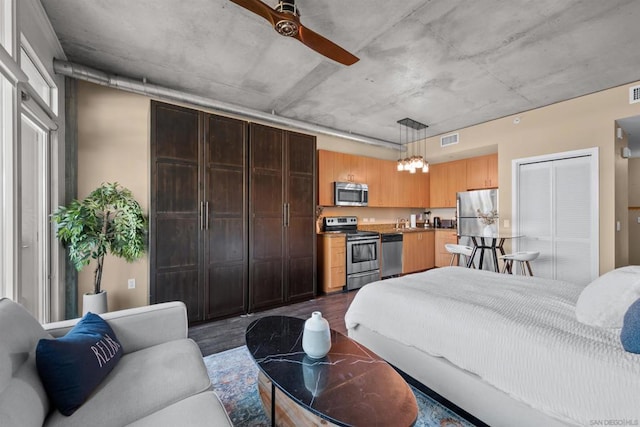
point(226, 252)
point(266, 217)
point(175, 234)
point(301, 230)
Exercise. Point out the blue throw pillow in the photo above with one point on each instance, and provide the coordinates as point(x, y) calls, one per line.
point(630, 335)
point(71, 367)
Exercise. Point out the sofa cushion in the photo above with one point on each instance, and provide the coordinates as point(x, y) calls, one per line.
point(71, 367)
point(142, 383)
point(204, 409)
point(23, 401)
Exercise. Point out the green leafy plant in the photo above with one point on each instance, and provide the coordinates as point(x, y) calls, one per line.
point(109, 220)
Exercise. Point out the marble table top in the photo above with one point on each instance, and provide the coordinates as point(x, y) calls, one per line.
point(349, 386)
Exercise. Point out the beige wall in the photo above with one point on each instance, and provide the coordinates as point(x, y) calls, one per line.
point(634, 211)
point(621, 199)
point(579, 123)
point(113, 145)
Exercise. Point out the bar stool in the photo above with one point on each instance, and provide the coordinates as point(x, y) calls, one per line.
point(457, 251)
point(523, 259)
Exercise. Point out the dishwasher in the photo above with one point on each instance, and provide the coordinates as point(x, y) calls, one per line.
point(391, 254)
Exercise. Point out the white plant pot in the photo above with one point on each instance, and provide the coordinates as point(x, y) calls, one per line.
point(95, 303)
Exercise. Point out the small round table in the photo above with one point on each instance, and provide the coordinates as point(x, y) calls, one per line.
point(349, 386)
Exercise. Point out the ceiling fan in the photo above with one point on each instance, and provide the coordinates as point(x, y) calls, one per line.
point(286, 21)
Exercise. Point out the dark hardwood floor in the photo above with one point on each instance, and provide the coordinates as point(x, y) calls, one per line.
point(221, 335)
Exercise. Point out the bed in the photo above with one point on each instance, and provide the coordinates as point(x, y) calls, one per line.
point(507, 349)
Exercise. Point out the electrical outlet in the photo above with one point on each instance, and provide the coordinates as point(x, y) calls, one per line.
point(131, 283)
point(639, 220)
point(618, 226)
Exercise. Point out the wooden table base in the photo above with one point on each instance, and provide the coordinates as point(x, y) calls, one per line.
point(288, 412)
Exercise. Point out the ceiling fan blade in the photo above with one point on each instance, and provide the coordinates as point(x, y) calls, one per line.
point(324, 46)
point(259, 8)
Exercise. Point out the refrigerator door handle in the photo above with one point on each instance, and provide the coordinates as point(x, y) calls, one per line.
point(458, 215)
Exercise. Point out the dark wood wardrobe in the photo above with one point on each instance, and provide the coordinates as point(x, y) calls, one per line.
point(232, 217)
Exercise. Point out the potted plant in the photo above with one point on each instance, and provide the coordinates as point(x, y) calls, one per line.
point(109, 220)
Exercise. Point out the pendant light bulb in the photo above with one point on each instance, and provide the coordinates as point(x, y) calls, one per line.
point(425, 168)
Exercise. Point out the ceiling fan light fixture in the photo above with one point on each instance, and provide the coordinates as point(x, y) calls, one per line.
point(287, 28)
point(285, 19)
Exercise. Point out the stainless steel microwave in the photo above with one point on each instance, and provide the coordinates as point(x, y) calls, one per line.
point(350, 194)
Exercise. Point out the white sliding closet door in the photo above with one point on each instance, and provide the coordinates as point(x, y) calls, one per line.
point(557, 213)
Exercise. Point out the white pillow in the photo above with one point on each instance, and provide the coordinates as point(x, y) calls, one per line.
point(605, 300)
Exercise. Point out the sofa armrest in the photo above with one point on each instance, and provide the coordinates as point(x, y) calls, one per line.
point(138, 328)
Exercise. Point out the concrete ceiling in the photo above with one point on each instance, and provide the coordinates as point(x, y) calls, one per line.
point(446, 63)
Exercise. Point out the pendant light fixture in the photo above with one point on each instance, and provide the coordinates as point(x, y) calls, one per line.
point(412, 132)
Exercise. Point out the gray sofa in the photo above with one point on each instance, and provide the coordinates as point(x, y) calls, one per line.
point(160, 381)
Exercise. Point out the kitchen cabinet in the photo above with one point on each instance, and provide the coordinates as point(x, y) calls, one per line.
point(482, 172)
point(374, 169)
point(198, 212)
point(332, 262)
point(340, 167)
point(389, 196)
point(349, 168)
point(282, 264)
point(326, 160)
point(446, 180)
point(442, 237)
point(417, 251)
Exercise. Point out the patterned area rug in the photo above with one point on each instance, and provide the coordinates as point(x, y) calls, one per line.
point(234, 377)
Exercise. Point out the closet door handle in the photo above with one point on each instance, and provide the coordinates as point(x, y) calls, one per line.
point(288, 214)
point(284, 214)
point(206, 215)
point(201, 215)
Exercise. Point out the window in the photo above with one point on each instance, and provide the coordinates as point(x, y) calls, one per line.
point(39, 80)
point(6, 26)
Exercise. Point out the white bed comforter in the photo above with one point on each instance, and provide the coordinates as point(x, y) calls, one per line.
point(518, 334)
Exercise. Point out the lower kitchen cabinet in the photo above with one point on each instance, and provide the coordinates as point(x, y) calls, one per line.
point(332, 260)
point(443, 258)
point(417, 251)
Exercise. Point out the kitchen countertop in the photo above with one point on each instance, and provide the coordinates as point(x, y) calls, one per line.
point(388, 230)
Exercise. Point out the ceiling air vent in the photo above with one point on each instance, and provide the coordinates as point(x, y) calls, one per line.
point(634, 94)
point(449, 139)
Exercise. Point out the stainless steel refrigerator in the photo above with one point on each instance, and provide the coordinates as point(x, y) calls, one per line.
point(468, 204)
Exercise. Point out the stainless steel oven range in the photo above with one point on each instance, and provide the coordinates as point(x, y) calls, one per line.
point(363, 250)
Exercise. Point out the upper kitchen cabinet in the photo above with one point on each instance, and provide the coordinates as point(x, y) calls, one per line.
point(374, 168)
point(326, 160)
point(349, 168)
point(341, 167)
point(387, 187)
point(446, 180)
point(482, 172)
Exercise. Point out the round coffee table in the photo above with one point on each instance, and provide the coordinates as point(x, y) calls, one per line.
point(349, 386)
